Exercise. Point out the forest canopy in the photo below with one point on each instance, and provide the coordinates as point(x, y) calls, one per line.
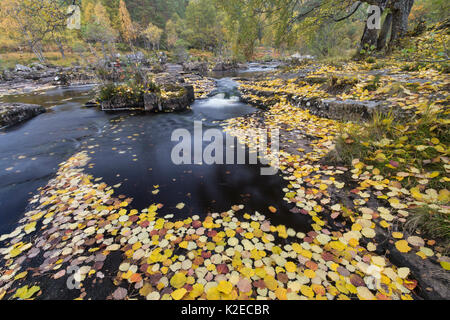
point(231, 28)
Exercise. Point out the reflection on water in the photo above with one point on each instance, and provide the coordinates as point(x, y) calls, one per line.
point(133, 150)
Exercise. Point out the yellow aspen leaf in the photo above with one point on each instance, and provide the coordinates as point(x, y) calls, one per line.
point(397, 235)
point(197, 290)
point(225, 287)
point(271, 283)
point(213, 294)
point(180, 206)
point(402, 246)
point(179, 294)
point(145, 290)
point(445, 265)
point(178, 280)
point(30, 227)
point(280, 293)
point(310, 273)
point(290, 267)
point(384, 224)
point(365, 294)
point(307, 291)
point(434, 174)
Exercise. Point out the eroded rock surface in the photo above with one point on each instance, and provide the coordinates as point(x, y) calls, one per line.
point(14, 113)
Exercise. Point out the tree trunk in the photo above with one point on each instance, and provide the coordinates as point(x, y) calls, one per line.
point(400, 12)
point(111, 50)
point(37, 50)
point(369, 38)
point(60, 47)
point(105, 55)
point(382, 39)
point(93, 51)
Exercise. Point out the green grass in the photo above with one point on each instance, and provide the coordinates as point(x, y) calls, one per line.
point(399, 143)
point(10, 59)
point(431, 223)
point(392, 145)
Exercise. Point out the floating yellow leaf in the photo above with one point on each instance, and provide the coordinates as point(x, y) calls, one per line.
point(180, 206)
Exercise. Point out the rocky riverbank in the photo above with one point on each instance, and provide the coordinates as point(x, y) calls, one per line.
point(337, 95)
point(24, 79)
point(12, 114)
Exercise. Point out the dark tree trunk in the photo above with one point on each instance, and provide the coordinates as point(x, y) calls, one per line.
point(396, 21)
point(382, 38)
point(369, 38)
point(400, 12)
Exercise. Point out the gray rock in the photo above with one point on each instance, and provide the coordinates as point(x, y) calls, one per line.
point(174, 68)
point(201, 67)
point(190, 93)
point(91, 104)
point(37, 66)
point(225, 66)
point(14, 113)
point(21, 68)
point(136, 57)
point(151, 102)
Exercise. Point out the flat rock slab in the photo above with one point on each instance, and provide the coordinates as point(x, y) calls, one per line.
point(14, 113)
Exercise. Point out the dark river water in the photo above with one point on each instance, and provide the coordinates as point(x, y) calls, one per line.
point(133, 149)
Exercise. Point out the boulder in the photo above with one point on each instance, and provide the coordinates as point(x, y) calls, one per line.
point(14, 113)
point(151, 102)
point(91, 104)
point(136, 57)
point(120, 103)
point(37, 66)
point(22, 68)
point(61, 79)
point(201, 67)
point(175, 98)
point(225, 66)
point(174, 68)
point(190, 93)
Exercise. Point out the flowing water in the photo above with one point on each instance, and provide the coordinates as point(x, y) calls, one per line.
point(134, 150)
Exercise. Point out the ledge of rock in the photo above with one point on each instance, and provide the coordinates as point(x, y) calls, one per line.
point(176, 101)
point(343, 110)
point(347, 110)
point(14, 113)
point(225, 66)
point(200, 67)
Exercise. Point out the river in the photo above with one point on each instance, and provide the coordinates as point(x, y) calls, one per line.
point(134, 150)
